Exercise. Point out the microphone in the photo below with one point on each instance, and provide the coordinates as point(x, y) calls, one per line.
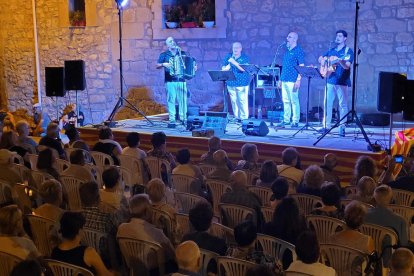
point(281, 44)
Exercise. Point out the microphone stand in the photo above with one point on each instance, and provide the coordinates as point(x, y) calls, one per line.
point(276, 84)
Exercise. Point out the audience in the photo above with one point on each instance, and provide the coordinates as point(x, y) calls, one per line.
point(7, 173)
point(23, 129)
point(288, 170)
point(280, 189)
point(354, 217)
point(73, 136)
point(159, 150)
point(188, 259)
point(365, 190)
point(330, 161)
point(221, 171)
point(364, 166)
point(405, 179)
point(331, 199)
point(259, 270)
point(239, 195)
point(186, 168)
point(402, 262)
point(245, 235)
point(9, 141)
point(112, 193)
point(140, 227)
point(77, 167)
point(13, 239)
point(312, 181)
point(268, 174)
point(70, 249)
point(107, 144)
point(214, 144)
point(308, 252)
point(52, 140)
point(133, 149)
point(382, 216)
point(27, 268)
point(51, 194)
point(250, 157)
point(46, 163)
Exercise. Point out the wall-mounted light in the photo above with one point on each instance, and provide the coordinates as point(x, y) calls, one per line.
point(121, 3)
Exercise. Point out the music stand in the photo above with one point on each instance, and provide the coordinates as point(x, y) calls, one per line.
point(219, 75)
point(307, 72)
point(252, 69)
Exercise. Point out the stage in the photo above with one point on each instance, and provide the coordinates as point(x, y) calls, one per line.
point(347, 148)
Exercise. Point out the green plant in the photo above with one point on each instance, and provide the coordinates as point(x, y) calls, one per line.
point(76, 17)
point(208, 13)
point(172, 14)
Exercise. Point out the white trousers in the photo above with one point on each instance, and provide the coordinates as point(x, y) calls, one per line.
point(291, 106)
point(341, 91)
point(239, 97)
point(177, 91)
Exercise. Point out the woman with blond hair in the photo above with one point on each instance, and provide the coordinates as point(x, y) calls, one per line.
point(365, 190)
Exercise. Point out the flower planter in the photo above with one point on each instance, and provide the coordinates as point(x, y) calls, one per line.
point(171, 25)
point(188, 25)
point(208, 24)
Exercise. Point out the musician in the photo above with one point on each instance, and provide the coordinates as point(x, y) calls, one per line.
point(239, 88)
point(339, 80)
point(290, 81)
point(176, 87)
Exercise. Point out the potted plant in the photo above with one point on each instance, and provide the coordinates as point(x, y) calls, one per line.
point(77, 18)
point(208, 16)
point(172, 16)
point(189, 22)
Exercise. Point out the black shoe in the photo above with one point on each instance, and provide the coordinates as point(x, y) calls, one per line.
point(172, 124)
point(294, 125)
point(323, 130)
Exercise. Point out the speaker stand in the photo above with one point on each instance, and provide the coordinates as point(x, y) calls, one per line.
point(57, 108)
point(121, 99)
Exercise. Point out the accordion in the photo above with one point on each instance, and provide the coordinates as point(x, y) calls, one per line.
point(182, 67)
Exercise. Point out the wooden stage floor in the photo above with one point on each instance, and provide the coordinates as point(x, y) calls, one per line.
point(347, 148)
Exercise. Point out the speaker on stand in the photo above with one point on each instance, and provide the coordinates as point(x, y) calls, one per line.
point(75, 78)
point(55, 84)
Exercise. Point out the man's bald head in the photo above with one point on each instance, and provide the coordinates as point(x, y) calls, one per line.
point(238, 179)
point(330, 160)
point(402, 261)
point(188, 256)
point(219, 157)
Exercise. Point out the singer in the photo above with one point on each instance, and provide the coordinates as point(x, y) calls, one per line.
point(290, 81)
point(176, 87)
point(340, 59)
point(239, 88)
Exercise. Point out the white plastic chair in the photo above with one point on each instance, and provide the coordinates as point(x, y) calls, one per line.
point(66, 269)
point(324, 226)
point(71, 185)
point(102, 159)
point(217, 188)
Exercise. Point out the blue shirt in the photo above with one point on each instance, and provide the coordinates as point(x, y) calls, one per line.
point(341, 76)
point(291, 58)
point(165, 57)
point(242, 78)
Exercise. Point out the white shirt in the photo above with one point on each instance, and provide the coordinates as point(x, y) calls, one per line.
point(313, 269)
point(134, 152)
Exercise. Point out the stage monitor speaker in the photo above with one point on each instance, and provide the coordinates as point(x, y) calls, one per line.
point(55, 81)
point(255, 127)
point(375, 119)
point(75, 75)
point(391, 88)
point(195, 122)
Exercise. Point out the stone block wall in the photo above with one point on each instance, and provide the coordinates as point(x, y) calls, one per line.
point(385, 39)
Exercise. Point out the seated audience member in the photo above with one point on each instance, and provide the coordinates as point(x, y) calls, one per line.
point(402, 262)
point(382, 216)
point(280, 189)
point(405, 179)
point(41, 120)
point(9, 141)
point(13, 239)
point(354, 217)
point(287, 224)
point(22, 128)
point(80, 144)
point(365, 190)
point(46, 163)
point(268, 174)
point(364, 166)
point(201, 216)
point(52, 195)
point(77, 167)
point(156, 193)
point(330, 161)
point(245, 235)
point(239, 195)
point(259, 270)
point(9, 124)
point(27, 268)
point(250, 157)
point(133, 149)
point(214, 144)
point(52, 140)
point(7, 173)
point(107, 144)
point(312, 181)
point(159, 150)
point(112, 193)
point(140, 227)
point(288, 170)
point(308, 252)
point(69, 118)
point(221, 171)
point(186, 168)
point(188, 259)
point(70, 249)
point(331, 199)
point(73, 136)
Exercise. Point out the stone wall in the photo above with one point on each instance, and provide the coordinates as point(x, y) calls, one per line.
point(385, 40)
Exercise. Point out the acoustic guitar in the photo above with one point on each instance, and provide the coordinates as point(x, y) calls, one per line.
point(328, 66)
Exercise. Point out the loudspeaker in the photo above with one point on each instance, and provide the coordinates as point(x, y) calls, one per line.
point(75, 75)
point(375, 119)
point(409, 101)
point(194, 122)
point(55, 81)
point(391, 88)
point(255, 127)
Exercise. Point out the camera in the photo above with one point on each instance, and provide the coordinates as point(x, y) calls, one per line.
point(399, 159)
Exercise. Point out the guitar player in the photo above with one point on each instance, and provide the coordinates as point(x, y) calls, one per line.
point(337, 64)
